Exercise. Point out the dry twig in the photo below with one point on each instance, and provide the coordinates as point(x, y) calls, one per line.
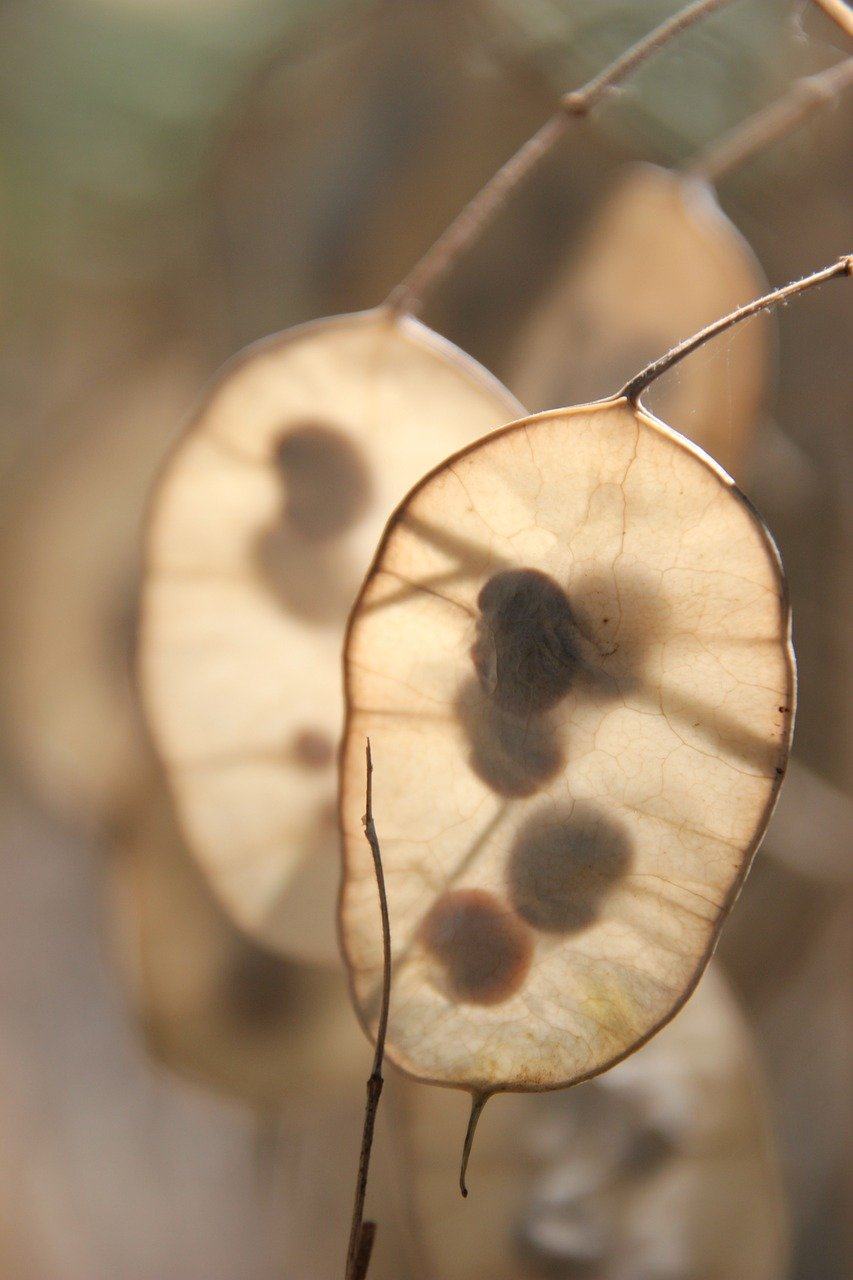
point(638, 384)
point(362, 1233)
point(774, 122)
point(408, 295)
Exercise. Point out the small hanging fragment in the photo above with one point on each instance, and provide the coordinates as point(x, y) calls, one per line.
point(261, 528)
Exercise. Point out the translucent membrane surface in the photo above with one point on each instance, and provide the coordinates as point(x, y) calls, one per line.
point(572, 659)
point(262, 527)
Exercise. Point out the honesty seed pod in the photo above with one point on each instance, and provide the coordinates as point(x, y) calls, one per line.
point(664, 1167)
point(572, 659)
point(669, 1169)
point(659, 260)
point(69, 553)
point(261, 528)
point(213, 1003)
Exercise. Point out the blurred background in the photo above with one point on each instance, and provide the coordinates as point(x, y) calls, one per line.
point(177, 179)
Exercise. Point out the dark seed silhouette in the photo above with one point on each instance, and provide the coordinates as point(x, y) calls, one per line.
point(483, 948)
point(326, 478)
point(563, 864)
point(313, 749)
point(257, 986)
point(514, 755)
point(326, 491)
point(525, 651)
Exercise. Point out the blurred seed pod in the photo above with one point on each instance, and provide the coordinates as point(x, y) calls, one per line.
point(659, 260)
point(261, 527)
point(69, 549)
point(663, 1168)
point(214, 1004)
point(114, 1166)
point(340, 163)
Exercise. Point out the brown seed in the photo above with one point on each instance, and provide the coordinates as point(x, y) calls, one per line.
point(563, 865)
point(313, 749)
point(327, 479)
point(525, 651)
point(514, 755)
point(484, 949)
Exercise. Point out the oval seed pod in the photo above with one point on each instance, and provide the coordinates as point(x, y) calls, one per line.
point(690, 1182)
point(664, 1167)
point(261, 528)
point(215, 1005)
point(580, 705)
point(659, 259)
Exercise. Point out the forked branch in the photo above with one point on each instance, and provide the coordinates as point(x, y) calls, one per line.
point(463, 231)
point(638, 384)
point(362, 1233)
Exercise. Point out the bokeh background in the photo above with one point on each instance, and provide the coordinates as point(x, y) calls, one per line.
point(180, 177)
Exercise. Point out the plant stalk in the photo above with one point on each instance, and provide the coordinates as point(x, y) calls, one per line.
point(362, 1233)
point(840, 12)
point(409, 294)
point(638, 384)
point(774, 122)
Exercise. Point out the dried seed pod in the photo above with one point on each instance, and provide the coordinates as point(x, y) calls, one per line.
point(214, 1004)
point(261, 529)
point(692, 1185)
point(659, 260)
point(663, 1167)
point(588, 582)
point(69, 549)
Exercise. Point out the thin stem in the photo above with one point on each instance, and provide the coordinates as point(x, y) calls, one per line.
point(634, 389)
point(365, 1249)
point(774, 122)
point(581, 101)
point(463, 231)
point(361, 1232)
point(840, 12)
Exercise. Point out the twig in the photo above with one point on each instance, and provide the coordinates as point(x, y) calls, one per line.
point(634, 389)
point(774, 122)
point(408, 295)
point(361, 1232)
point(583, 100)
point(840, 12)
point(365, 1249)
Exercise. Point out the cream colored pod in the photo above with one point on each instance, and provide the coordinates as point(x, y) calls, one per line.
point(658, 260)
point(572, 659)
point(261, 528)
point(664, 1167)
point(214, 1004)
point(69, 545)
